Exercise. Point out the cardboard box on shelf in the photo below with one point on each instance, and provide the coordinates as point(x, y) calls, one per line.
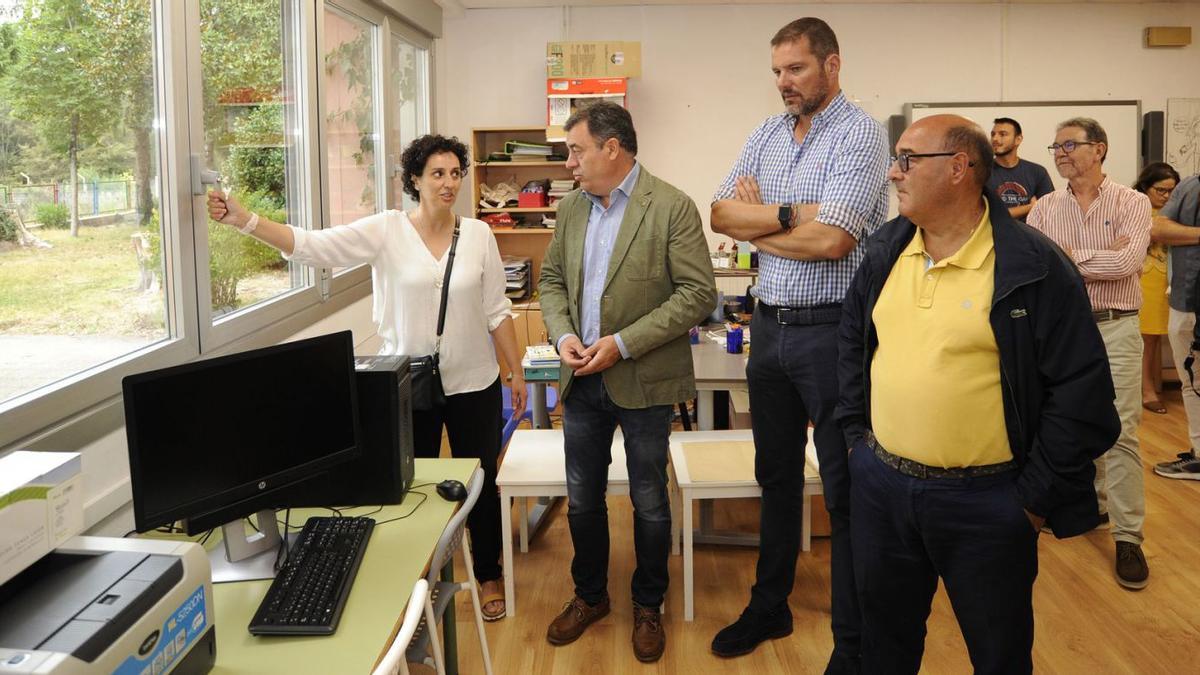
point(593, 59)
point(565, 96)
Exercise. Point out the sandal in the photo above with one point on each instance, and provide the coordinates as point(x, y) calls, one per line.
point(1155, 406)
point(488, 597)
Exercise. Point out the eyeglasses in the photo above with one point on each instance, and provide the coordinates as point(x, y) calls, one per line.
point(904, 159)
point(1067, 146)
point(1163, 192)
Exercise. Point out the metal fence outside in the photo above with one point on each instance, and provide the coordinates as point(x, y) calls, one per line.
point(95, 197)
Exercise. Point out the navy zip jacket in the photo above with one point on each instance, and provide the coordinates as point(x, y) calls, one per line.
point(1057, 388)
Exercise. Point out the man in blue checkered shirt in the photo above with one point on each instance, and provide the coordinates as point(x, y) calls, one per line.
point(809, 185)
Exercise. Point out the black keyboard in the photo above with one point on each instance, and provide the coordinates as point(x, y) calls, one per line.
point(310, 590)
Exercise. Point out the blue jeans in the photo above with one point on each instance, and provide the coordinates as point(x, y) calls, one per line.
point(589, 419)
point(970, 532)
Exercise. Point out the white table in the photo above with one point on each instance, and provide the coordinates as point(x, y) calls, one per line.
point(534, 466)
point(716, 370)
point(732, 487)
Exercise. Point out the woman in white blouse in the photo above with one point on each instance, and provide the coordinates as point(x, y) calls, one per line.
point(407, 252)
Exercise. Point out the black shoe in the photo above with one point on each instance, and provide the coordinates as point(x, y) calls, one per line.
point(751, 628)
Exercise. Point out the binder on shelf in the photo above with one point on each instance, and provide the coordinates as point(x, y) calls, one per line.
point(515, 148)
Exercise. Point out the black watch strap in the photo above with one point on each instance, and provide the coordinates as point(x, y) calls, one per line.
point(785, 217)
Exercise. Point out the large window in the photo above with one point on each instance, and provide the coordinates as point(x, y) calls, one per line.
point(410, 113)
point(250, 64)
point(81, 227)
point(351, 111)
point(116, 116)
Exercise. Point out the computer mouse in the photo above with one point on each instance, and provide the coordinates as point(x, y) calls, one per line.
point(452, 490)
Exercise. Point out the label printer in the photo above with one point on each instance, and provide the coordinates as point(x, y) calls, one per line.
point(106, 605)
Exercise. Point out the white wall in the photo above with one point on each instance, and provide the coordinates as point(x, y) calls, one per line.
point(706, 80)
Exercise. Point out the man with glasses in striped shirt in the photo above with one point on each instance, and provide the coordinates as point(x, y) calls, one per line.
point(1105, 229)
point(809, 185)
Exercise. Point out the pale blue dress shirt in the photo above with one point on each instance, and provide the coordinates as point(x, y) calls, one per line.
point(602, 229)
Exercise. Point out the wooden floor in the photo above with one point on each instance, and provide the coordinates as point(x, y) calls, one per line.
point(1086, 623)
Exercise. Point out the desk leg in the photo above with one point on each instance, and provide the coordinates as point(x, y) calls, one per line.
point(688, 613)
point(674, 497)
point(523, 523)
point(541, 418)
point(806, 525)
point(510, 595)
point(704, 410)
point(449, 631)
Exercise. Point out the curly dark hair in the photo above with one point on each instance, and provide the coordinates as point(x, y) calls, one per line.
point(1153, 173)
point(417, 154)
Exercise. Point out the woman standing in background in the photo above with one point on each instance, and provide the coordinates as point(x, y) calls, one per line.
point(1156, 181)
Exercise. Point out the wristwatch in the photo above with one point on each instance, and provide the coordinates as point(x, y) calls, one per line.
point(785, 217)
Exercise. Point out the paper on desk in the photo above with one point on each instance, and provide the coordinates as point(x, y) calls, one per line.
point(720, 460)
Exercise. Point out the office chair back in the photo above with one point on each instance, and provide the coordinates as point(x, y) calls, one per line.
point(394, 660)
point(454, 538)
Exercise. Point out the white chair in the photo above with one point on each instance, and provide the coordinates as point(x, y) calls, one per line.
point(394, 662)
point(454, 537)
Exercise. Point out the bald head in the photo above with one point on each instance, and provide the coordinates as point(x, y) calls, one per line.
point(959, 134)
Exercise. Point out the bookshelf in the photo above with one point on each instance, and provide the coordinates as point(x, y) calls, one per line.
point(530, 242)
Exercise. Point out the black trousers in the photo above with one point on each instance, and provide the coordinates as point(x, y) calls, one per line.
point(972, 533)
point(473, 421)
point(793, 379)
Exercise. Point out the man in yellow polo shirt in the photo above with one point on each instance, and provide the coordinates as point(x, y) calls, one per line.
point(974, 397)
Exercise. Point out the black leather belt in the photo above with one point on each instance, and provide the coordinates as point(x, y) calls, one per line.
point(916, 469)
point(1109, 314)
point(802, 316)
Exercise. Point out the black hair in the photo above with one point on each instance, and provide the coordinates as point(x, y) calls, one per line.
point(1008, 120)
point(606, 120)
point(417, 154)
point(821, 40)
point(1154, 172)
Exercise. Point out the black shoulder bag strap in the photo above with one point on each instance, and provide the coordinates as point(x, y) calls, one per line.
point(446, 287)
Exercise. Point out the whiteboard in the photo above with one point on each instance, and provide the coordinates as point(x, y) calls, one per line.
point(1121, 121)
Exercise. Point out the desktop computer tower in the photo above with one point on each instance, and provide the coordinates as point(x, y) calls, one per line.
point(383, 471)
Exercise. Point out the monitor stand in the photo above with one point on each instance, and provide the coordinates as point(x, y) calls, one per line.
point(246, 557)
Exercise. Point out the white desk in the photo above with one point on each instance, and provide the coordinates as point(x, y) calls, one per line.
point(535, 466)
point(716, 370)
point(732, 487)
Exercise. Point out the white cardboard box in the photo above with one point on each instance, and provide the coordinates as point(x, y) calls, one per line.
point(41, 506)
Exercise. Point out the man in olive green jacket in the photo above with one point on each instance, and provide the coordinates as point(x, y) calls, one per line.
point(625, 277)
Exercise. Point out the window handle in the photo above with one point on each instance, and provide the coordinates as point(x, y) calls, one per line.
point(202, 176)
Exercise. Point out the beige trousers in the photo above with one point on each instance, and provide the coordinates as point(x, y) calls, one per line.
point(1119, 471)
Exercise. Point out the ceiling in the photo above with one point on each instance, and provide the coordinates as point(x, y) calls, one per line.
point(458, 5)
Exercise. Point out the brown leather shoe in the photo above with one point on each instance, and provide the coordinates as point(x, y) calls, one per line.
point(649, 638)
point(576, 616)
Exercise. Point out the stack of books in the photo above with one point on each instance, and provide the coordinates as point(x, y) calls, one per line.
point(560, 188)
point(517, 276)
point(540, 363)
point(540, 355)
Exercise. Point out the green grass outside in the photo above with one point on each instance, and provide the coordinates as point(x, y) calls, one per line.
point(85, 286)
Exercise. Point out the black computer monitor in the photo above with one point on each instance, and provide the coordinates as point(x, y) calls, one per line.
point(216, 440)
